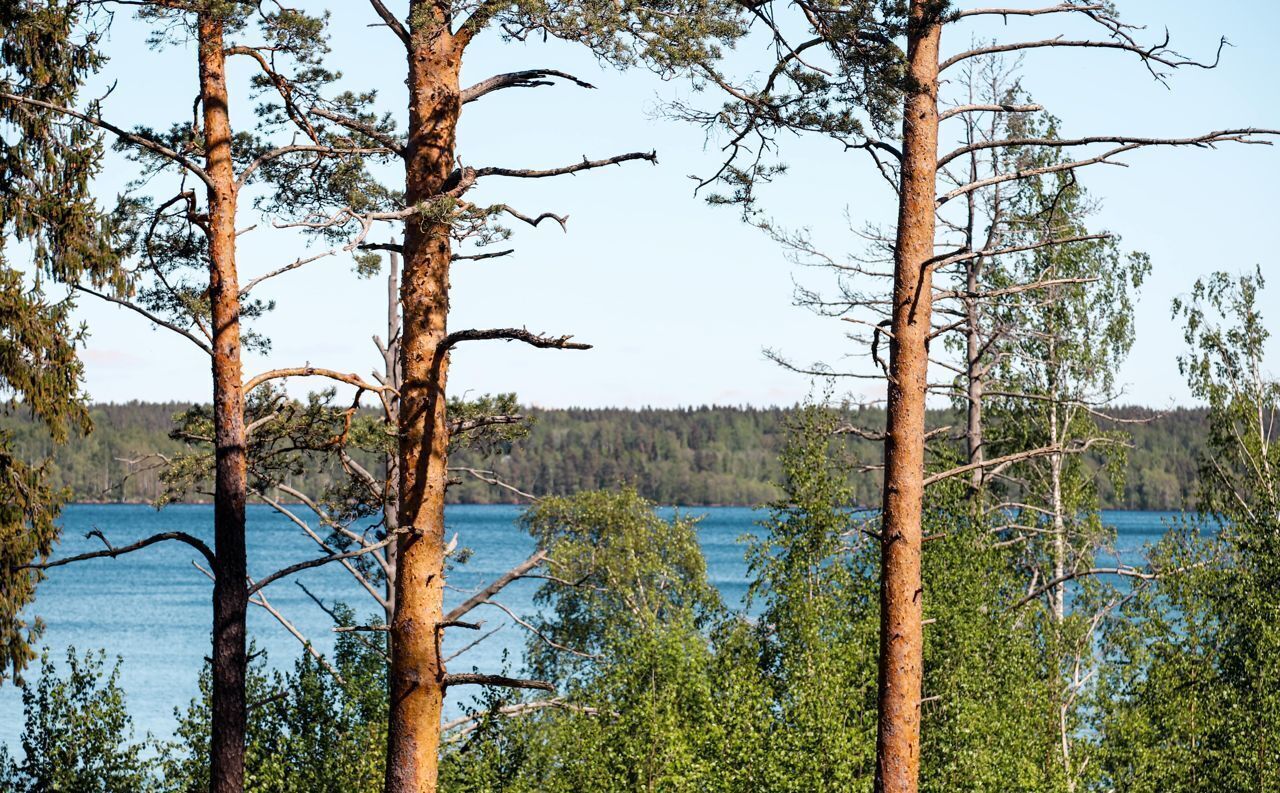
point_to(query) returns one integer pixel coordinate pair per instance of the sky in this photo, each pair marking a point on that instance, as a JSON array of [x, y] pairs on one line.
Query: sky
[[679, 298]]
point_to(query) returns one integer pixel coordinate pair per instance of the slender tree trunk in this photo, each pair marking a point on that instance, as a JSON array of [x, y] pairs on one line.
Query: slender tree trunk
[[1058, 596], [975, 379], [391, 371], [417, 671], [230, 592], [901, 589]]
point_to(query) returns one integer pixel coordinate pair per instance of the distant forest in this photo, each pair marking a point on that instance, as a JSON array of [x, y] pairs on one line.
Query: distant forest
[[690, 456]]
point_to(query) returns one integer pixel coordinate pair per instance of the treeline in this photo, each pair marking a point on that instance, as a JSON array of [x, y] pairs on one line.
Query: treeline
[[698, 456]]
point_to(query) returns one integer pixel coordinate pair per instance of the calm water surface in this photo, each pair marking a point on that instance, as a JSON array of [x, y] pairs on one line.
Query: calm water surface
[[151, 608]]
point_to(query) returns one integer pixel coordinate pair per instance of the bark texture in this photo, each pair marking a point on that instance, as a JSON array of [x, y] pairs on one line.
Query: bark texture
[[901, 589], [417, 671], [230, 589]]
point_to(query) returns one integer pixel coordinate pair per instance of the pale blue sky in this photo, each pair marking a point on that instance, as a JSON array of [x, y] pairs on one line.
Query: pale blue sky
[[678, 297]]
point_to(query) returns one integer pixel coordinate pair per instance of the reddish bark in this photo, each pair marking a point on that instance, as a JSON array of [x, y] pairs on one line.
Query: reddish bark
[[230, 591], [416, 675], [901, 588]]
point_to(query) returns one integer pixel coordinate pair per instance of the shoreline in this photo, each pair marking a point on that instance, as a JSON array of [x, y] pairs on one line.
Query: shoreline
[[139, 503]]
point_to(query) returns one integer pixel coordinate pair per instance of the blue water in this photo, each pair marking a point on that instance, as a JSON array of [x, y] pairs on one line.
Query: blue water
[[151, 607]]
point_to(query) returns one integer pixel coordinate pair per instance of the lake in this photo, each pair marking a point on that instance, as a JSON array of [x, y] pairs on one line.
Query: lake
[[151, 608]]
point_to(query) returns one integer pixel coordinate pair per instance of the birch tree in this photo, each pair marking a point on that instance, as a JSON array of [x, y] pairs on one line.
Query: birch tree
[[855, 73]]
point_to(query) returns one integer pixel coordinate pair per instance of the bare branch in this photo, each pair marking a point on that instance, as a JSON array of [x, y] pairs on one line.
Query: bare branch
[[1127, 572], [391, 21], [127, 137], [474, 257], [473, 643], [244, 291], [563, 220], [1207, 140], [514, 334], [495, 680], [1011, 290], [302, 524], [495, 586], [323, 560], [1009, 459], [585, 165], [528, 78], [1058, 143], [1027, 12], [491, 478], [114, 551], [314, 371], [1031, 246], [1158, 53], [541, 636], [265, 604], [356, 125], [188, 335], [1001, 108], [469, 723]]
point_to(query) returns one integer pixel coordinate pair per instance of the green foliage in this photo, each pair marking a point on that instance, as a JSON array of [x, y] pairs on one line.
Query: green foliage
[[1195, 702], [46, 168], [703, 699], [848, 87], [644, 702], [307, 730], [619, 569], [78, 737], [694, 456]]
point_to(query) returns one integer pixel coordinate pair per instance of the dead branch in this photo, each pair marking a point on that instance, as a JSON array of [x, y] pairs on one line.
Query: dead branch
[[531, 628], [473, 643], [529, 78], [360, 577], [244, 290], [359, 126], [314, 371], [459, 427], [585, 165], [1001, 108], [563, 220], [1127, 572], [265, 604], [501, 681], [475, 257], [127, 137], [470, 723], [1008, 459], [390, 20], [1206, 140], [495, 586], [1060, 143], [323, 560], [490, 478], [1158, 53], [113, 551], [1012, 290], [188, 335], [514, 334], [1026, 12]]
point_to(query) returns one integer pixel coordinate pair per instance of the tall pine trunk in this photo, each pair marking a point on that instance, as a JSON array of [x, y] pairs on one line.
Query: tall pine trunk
[[417, 671], [230, 590], [901, 589]]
